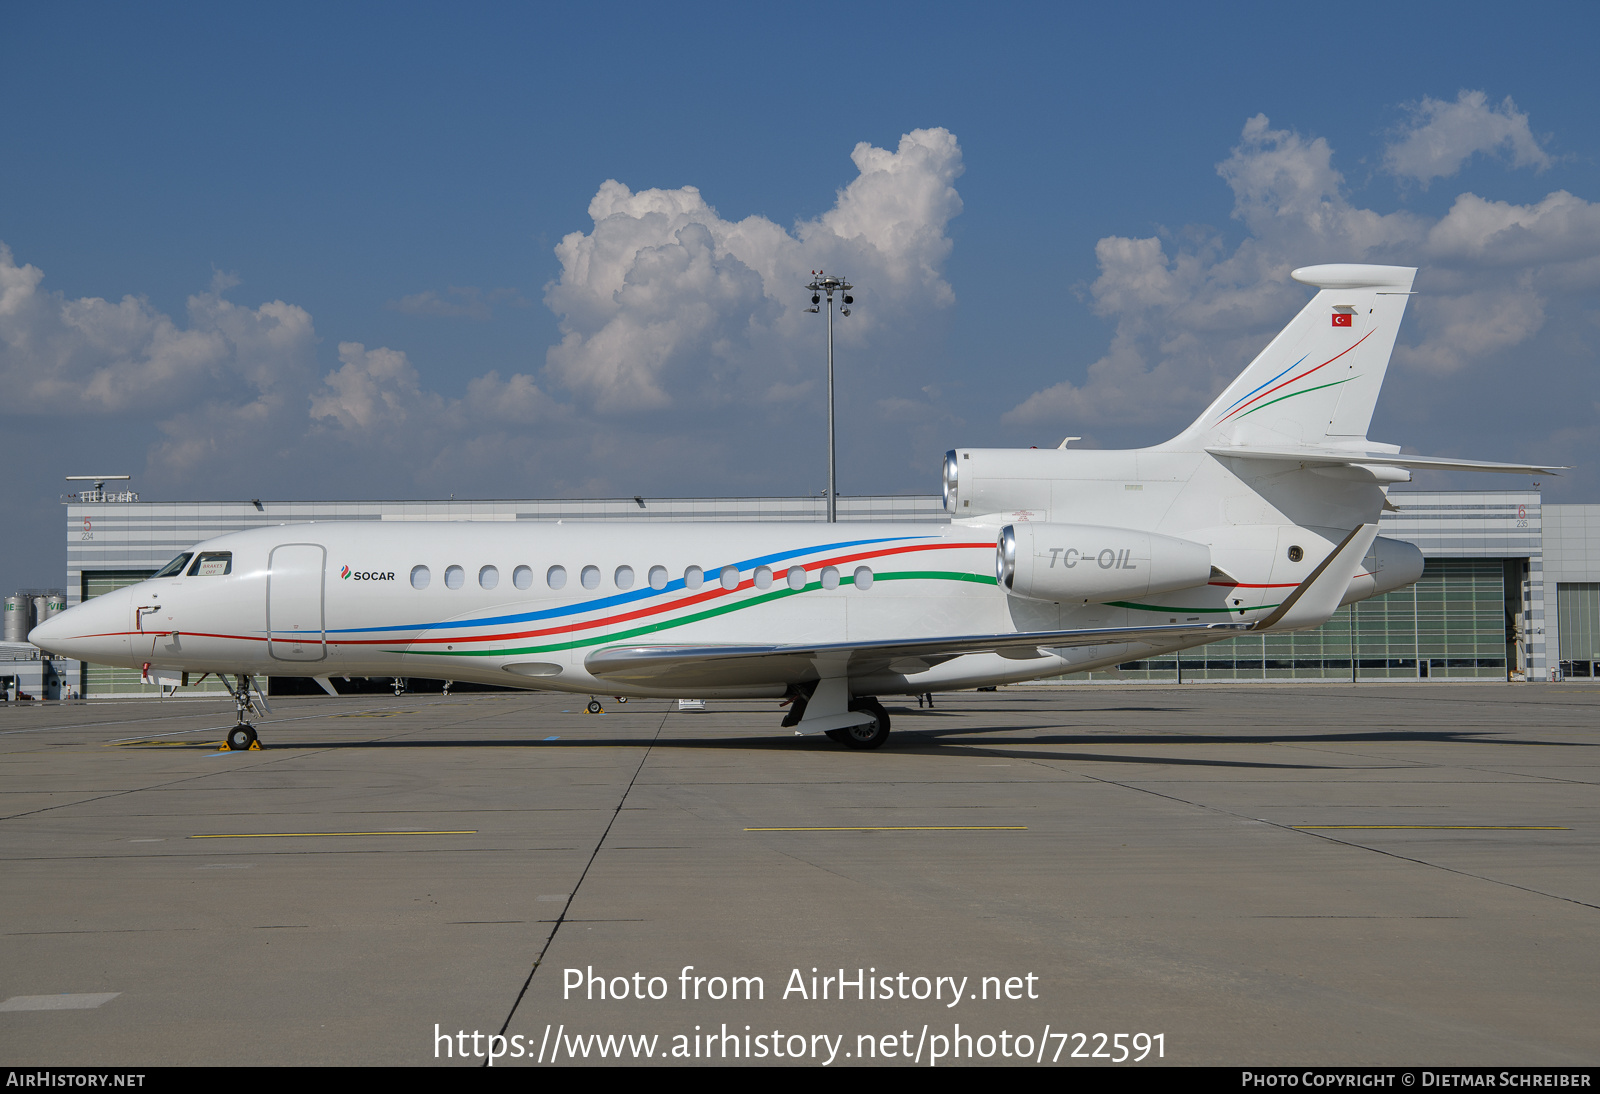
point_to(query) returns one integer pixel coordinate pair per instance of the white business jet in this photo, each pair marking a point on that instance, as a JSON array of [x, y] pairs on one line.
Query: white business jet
[[1261, 516]]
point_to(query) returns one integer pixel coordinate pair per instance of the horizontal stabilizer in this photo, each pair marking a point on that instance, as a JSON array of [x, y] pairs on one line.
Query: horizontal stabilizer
[[753, 666], [1349, 458]]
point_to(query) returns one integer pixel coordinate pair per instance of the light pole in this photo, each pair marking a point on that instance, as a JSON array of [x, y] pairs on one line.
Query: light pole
[[822, 283]]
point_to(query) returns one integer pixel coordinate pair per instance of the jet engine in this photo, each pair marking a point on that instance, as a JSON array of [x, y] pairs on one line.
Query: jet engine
[[1391, 564], [1088, 563]]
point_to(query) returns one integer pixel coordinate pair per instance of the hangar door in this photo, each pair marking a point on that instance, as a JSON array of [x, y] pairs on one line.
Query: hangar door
[[294, 603]]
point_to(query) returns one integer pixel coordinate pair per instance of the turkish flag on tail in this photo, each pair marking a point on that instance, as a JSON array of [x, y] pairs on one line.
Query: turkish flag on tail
[[1343, 319]]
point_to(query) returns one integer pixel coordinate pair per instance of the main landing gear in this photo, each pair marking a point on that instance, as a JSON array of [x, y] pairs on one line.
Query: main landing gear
[[594, 706], [867, 735], [242, 737]]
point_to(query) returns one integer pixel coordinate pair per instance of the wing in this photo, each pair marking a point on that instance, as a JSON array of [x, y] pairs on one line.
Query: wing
[[754, 666]]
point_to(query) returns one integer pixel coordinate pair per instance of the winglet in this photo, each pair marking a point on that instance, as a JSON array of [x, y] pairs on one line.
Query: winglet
[[1315, 599]]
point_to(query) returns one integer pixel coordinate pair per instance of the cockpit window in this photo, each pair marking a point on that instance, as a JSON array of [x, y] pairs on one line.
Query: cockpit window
[[212, 564], [175, 567]]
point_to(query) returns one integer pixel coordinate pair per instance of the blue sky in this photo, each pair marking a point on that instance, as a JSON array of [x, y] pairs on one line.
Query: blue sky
[[312, 251]]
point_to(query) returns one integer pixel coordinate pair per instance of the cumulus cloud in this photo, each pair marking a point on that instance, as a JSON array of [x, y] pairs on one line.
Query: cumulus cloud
[[372, 390], [378, 392], [1561, 234], [96, 356], [1440, 136], [664, 302], [1473, 325], [1189, 315]]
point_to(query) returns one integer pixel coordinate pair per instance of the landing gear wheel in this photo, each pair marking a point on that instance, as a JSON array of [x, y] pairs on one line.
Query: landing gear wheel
[[594, 707], [241, 737], [622, 698], [875, 732]]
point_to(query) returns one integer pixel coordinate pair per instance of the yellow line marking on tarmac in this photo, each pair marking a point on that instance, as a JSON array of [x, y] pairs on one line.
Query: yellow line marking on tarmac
[[1442, 827], [907, 828], [274, 835]]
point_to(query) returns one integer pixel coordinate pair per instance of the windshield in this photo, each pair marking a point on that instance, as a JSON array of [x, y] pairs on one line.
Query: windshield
[[175, 566], [212, 564]]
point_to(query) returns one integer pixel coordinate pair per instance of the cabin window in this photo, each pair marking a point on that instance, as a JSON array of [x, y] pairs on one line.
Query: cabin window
[[830, 577], [797, 577], [420, 577], [454, 577], [623, 577], [863, 577], [693, 577], [658, 577], [730, 578], [212, 564], [556, 577], [488, 577], [590, 577], [763, 577], [522, 577], [175, 567]]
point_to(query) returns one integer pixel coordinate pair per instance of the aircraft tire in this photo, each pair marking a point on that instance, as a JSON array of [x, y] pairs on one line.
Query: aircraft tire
[[875, 732], [595, 707], [241, 737], [840, 735]]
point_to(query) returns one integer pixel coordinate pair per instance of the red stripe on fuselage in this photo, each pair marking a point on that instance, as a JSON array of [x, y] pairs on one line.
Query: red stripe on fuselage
[[655, 609], [568, 628]]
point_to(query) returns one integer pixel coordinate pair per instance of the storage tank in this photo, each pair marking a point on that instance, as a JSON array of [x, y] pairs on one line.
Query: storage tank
[[54, 604], [41, 612], [19, 618]]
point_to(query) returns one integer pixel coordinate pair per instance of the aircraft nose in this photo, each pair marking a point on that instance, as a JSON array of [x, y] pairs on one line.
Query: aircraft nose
[[96, 630]]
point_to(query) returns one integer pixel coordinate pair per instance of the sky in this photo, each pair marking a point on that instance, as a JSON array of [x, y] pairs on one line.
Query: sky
[[536, 251]]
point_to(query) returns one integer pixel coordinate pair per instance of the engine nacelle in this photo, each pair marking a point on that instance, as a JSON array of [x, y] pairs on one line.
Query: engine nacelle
[[1068, 563], [1391, 564]]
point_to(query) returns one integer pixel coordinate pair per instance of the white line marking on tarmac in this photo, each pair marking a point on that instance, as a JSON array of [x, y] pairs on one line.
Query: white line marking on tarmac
[[64, 1001]]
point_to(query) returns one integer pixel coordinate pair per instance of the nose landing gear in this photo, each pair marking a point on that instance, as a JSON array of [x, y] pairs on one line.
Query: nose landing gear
[[242, 737]]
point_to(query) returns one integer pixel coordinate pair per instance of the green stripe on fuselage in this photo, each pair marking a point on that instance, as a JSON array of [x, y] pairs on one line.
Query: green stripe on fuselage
[[709, 613]]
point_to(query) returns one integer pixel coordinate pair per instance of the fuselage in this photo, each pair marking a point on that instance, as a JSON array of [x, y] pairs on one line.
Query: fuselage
[[523, 604]]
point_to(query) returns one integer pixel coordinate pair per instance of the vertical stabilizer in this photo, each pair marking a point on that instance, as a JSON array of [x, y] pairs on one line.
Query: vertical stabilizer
[[1318, 381]]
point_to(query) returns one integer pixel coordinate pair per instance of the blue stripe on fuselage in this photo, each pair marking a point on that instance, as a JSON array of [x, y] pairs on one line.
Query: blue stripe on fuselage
[[621, 598]]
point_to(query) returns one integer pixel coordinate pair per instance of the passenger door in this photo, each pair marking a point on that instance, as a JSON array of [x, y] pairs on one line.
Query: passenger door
[[294, 603]]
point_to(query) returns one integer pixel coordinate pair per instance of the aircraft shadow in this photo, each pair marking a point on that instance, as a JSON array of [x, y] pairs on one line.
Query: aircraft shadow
[[1376, 736], [909, 742]]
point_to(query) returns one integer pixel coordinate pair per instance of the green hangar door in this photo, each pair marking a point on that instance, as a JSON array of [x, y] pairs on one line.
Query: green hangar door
[[294, 603]]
